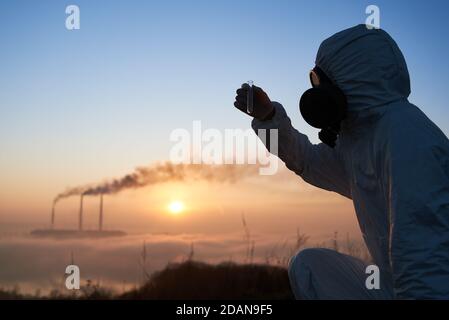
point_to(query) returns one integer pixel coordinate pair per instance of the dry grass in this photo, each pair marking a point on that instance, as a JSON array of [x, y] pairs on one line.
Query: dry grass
[[197, 280]]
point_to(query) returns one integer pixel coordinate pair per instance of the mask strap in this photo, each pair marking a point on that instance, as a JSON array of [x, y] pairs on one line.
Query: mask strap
[[322, 77]]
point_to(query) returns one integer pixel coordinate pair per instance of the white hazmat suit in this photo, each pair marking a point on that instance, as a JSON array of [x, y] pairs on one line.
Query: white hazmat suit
[[391, 160]]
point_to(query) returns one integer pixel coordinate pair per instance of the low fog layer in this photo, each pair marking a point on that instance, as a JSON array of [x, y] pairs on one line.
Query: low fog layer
[[116, 262]]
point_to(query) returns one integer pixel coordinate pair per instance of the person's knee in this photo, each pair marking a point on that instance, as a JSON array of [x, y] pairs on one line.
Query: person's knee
[[307, 258], [302, 267], [299, 270]]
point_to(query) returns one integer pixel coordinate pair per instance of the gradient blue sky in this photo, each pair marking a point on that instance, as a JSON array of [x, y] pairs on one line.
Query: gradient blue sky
[[77, 106]]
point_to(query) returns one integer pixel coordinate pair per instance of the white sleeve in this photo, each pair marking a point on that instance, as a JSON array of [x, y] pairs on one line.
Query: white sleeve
[[317, 164]]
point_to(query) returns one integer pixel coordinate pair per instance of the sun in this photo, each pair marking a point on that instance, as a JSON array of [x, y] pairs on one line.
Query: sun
[[176, 207]]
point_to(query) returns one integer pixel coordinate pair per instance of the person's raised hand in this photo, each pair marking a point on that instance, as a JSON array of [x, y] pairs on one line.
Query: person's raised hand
[[262, 108]]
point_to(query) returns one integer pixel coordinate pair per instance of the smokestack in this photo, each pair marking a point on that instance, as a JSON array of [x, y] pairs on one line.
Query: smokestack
[[80, 225], [100, 219], [53, 217]]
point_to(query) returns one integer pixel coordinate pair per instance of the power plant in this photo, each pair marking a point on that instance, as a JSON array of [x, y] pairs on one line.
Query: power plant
[[80, 232], [139, 178]]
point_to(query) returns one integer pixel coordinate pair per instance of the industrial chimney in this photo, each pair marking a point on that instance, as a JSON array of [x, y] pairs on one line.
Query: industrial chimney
[[80, 225], [100, 219], [53, 217]]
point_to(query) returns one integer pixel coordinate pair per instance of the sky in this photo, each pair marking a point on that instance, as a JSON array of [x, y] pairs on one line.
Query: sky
[[84, 105]]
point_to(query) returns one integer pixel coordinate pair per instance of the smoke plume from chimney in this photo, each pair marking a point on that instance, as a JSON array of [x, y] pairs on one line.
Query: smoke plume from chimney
[[160, 173]]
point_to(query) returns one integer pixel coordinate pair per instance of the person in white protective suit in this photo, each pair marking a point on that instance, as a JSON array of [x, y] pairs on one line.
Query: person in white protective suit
[[379, 150]]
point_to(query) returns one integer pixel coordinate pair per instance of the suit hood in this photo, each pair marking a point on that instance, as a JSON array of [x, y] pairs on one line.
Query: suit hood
[[367, 65]]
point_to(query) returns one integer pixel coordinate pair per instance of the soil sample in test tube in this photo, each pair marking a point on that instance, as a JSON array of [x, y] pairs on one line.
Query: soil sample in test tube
[[250, 98]]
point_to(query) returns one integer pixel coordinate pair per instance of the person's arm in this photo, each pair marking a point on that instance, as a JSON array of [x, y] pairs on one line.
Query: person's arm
[[317, 164], [417, 188]]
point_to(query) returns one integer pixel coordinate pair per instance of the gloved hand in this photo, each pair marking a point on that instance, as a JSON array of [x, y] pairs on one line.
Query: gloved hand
[[262, 108]]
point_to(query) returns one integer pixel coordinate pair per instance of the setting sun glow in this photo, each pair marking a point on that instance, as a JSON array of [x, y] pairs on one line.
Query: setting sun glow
[[176, 207]]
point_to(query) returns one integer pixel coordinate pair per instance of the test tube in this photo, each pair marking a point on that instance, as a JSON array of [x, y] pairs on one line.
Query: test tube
[[250, 98]]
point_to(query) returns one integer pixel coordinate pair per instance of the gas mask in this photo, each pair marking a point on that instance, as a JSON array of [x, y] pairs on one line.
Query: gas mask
[[323, 106]]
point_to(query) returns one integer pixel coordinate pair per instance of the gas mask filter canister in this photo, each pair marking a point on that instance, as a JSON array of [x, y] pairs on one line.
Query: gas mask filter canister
[[323, 106]]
